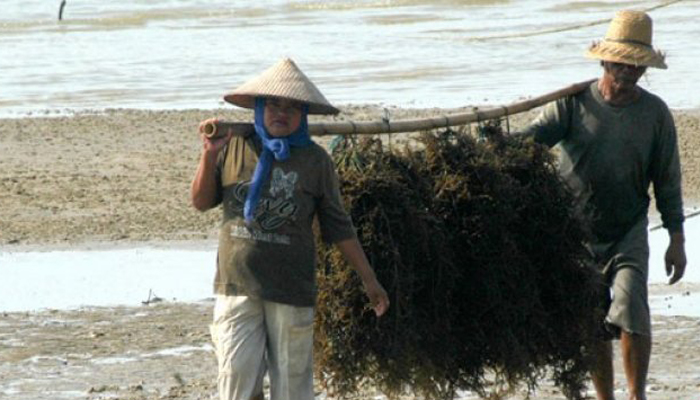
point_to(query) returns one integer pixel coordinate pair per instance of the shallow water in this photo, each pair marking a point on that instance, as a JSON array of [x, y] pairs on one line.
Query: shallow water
[[66, 279], [446, 53], [73, 278]]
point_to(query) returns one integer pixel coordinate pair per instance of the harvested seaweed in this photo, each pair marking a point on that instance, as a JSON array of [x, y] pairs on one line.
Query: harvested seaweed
[[480, 248]]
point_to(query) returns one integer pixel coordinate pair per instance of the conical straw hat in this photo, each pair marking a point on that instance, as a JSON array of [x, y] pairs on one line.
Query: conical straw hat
[[628, 41], [282, 80]]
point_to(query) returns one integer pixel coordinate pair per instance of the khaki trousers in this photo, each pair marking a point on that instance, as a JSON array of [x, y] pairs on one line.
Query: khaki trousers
[[252, 337]]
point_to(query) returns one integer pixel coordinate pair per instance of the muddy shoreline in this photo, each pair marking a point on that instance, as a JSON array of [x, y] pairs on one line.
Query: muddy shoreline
[[124, 175], [163, 351], [121, 178]]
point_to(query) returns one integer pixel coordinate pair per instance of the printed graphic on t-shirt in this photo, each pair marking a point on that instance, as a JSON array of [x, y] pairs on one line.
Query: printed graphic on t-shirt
[[274, 209], [282, 182], [243, 232]]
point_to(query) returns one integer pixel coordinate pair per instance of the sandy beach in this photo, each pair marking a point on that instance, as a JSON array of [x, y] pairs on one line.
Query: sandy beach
[[125, 175], [122, 177]]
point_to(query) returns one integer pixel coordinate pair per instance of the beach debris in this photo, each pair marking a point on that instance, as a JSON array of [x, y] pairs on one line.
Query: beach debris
[[480, 248], [178, 378], [60, 10], [95, 334], [138, 387], [103, 388], [152, 298]]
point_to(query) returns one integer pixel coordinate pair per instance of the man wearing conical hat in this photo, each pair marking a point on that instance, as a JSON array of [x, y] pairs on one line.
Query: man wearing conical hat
[[617, 139], [272, 185]]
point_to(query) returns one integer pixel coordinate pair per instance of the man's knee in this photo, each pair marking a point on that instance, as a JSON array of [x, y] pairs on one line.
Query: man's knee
[[242, 368], [259, 396], [629, 310]]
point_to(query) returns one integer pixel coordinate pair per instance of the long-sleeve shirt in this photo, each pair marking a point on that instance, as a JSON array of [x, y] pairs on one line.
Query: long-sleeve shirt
[[609, 156]]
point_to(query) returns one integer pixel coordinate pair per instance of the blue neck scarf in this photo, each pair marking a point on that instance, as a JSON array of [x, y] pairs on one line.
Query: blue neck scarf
[[271, 147]]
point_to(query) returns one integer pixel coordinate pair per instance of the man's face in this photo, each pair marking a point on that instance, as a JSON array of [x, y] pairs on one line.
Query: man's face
[[623, 75], [282, 117]]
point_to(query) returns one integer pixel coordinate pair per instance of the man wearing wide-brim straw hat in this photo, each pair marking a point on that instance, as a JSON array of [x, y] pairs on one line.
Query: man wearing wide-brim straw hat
[[272, 185], [616, 139], [628, 41]]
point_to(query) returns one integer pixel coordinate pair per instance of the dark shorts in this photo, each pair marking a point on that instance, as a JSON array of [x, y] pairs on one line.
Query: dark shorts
[[625, 266]]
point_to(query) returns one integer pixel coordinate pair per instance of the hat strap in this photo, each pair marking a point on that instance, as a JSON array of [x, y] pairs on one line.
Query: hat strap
[[628, 41]]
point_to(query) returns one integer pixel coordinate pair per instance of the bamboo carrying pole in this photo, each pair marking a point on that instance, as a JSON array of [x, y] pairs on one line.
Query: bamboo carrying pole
[[212, 130]]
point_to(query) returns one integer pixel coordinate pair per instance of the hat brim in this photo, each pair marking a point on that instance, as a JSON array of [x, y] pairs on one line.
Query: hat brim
[[627, 53], [247, 100], [283, 80]]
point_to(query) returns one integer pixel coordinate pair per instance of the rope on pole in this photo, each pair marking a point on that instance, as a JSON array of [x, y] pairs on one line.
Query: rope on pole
[[562, 28], [687, 216]]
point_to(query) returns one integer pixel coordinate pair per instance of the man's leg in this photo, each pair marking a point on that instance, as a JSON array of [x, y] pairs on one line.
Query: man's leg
[[630, 311], [238, 333], [290, 346], [636, 351], [628, 269], [603, 373]]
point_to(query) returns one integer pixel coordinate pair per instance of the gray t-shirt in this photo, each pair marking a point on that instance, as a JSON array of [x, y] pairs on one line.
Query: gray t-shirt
[[610, 155], [275, 258]]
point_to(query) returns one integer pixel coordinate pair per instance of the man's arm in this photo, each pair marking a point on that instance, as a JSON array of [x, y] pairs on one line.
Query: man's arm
[[204, 191], [552, 124], [353, 253], [675, 257], [666, 177]]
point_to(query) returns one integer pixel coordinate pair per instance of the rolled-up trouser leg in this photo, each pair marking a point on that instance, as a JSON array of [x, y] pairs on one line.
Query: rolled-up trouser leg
[[239, 337]]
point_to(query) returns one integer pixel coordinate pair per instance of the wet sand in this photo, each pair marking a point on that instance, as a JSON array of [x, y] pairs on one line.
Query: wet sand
[[122, 177], [162, 351], [125, 175]]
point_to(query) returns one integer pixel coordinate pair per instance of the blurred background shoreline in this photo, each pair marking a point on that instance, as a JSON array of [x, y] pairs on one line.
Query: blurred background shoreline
[[178, 55]]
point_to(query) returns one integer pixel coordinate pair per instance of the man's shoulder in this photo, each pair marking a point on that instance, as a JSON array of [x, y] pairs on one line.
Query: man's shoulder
[[655, 107], [653, 99], [317, 151], [585, 99], [311, 157]]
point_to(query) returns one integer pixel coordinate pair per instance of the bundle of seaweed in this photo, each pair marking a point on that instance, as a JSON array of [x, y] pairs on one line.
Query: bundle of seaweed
[[481, 250]]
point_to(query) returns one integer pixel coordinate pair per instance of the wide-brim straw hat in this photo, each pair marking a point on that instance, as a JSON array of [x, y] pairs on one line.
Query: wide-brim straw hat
[[283, 80], [628, 41]]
